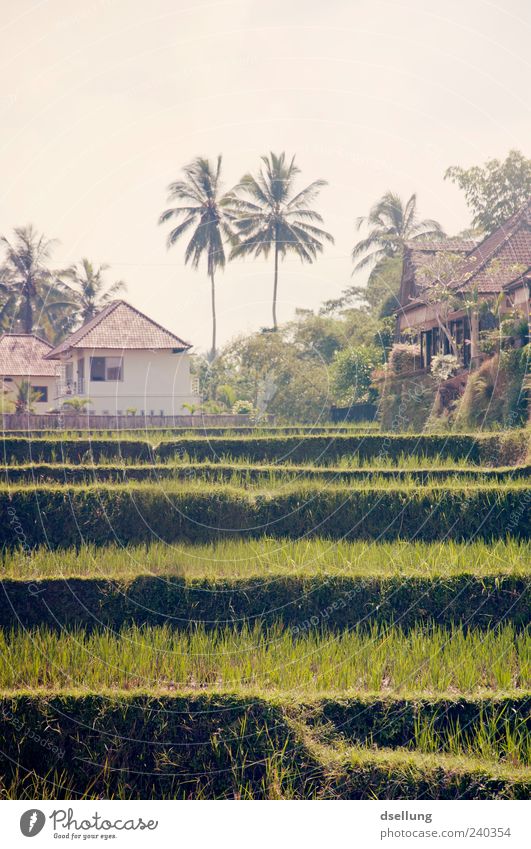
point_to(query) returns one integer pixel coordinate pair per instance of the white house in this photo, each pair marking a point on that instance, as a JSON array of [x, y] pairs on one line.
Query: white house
[[121, 361], [22, 359]]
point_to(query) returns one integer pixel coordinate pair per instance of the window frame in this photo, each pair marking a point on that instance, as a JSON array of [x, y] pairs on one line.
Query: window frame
[[119, 367]]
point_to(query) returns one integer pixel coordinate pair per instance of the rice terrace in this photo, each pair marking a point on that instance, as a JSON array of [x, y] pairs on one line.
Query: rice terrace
[[265, 613]]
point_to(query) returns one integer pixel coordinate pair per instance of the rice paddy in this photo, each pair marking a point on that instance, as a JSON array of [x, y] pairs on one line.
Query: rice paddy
[[144, 656]]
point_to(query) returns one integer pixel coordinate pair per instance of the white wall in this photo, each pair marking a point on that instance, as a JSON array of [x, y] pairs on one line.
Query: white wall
[[11, 388], [152, 380]]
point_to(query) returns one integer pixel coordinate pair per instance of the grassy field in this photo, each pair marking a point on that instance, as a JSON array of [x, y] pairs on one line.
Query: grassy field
[[278, 613], [273, 559], [424, 660]]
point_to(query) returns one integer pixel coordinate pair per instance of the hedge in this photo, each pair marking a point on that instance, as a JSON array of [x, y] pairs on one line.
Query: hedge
[[214, 746], [68, 516], [391, 721], [302, 604], [225, 472], [489, 449], [56, 450]]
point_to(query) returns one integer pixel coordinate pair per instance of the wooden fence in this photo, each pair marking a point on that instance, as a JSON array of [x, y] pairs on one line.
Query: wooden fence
[[88, 421]]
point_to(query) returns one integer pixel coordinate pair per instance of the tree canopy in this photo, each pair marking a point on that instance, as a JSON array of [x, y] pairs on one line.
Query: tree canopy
[[496, 190]]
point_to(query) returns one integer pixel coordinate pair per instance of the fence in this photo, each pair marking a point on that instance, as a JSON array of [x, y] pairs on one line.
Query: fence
[[88, 421], [354, 413]]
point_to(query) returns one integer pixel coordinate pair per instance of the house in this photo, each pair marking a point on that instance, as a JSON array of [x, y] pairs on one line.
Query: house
[[495, 273], [122, 361], [23, 359]]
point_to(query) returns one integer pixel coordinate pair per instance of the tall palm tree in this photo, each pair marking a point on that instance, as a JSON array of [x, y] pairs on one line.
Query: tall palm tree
[[27, 283], [268, 215], [204, 210], [392, 223], [91, 292]]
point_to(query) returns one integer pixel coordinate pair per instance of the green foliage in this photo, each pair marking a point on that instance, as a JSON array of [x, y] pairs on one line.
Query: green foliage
[[202, 512], [406, 402], [242, 407], [203, 211], [496, 190], [28, 287], [90, 292], [496, 392], [444, 366], [77, 405], [269, 215], [295, 597], [26, 397], [324, 448], [352, 374], [141, 746], [391, 223]]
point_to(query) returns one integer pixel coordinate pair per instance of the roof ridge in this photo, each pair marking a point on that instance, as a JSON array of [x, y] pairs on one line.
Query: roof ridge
[[7, 335], [75, 339], [512, 225]]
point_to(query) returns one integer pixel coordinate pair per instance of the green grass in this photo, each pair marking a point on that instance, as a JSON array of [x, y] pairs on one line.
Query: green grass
[[159, 659], [271, 558], [259, 475], [131, 745]]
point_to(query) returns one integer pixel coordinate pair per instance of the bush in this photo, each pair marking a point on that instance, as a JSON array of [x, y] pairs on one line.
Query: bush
[[404, 359], [495, 393], [209, 746], [68, 516], [444, 366], [352, 374], [300, 603]]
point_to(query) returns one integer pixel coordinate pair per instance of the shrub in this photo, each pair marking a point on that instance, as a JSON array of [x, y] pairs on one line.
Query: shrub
[[67, 516], [444, 366], [404, 359]]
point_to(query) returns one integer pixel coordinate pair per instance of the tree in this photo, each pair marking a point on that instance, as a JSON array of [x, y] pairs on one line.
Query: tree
[[204, 209], [270, 216], [77, 405], [91, 293], [27, 396], [439, 279], [392, 223], [352, 373], [27, 283], [495, 191]]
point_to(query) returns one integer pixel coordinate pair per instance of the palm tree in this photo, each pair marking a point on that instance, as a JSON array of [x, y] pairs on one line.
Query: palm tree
[[27, 283], [27, 396], [91, 293], [271, 217], [77, 405], [204, 210], [392, 223]]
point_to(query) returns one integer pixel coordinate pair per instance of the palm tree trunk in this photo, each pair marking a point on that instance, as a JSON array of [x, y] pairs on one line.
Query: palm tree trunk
[[28, 314], [213, 300], [275, 284]]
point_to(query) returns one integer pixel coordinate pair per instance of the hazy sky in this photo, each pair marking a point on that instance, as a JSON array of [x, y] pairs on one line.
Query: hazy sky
[[102, 103]]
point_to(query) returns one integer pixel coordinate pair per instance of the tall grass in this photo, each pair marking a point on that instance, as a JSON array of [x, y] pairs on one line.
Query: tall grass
[[430, 659], [268, 557], [494, 736]]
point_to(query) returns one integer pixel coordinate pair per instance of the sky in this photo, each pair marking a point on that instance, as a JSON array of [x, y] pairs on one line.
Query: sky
[[103, 101]]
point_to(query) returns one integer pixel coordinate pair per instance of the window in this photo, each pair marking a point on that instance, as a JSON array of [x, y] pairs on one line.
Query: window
[[43, 394], [106, 368]]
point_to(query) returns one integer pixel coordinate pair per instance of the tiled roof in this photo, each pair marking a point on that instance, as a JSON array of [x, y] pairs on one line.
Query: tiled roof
[[418, 254], [120, 326], [488, 267], [500, 258], [22, 355]]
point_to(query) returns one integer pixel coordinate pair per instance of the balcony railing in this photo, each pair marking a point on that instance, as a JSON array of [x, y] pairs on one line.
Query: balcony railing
[[71, 387]]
